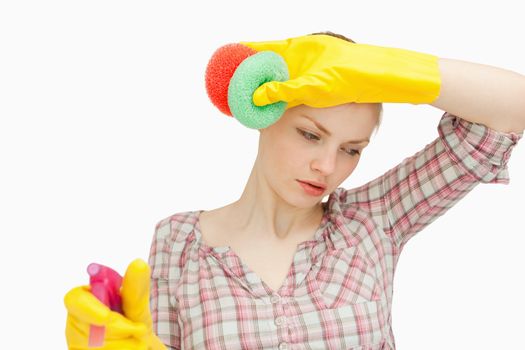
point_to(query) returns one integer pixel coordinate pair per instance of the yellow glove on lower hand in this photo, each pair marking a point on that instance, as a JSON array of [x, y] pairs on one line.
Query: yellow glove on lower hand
[[135, 300], [326, 71], [131, 331]]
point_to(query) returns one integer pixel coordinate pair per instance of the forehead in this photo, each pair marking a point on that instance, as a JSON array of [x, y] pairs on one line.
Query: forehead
[[355, 120]]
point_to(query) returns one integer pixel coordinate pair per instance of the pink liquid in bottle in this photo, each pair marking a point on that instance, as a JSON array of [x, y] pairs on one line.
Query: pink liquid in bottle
[[105, 285]]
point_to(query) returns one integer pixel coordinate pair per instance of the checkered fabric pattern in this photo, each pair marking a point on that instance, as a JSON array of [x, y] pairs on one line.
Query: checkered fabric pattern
[[338, 292]]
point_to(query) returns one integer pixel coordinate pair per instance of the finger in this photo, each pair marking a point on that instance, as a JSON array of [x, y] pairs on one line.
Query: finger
[[118, 326], [135, 292], [275, 91], [85, 306], [78, 333], [265, 94]]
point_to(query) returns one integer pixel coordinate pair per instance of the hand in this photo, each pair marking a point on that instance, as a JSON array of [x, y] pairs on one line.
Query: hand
[[327, 71], [131, 331]]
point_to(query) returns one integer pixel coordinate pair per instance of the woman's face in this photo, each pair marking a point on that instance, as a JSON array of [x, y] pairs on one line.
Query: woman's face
[[295, 148]]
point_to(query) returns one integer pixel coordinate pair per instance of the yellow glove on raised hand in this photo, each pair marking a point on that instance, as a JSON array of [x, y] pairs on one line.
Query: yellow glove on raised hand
[[326, 71], [131, 331]]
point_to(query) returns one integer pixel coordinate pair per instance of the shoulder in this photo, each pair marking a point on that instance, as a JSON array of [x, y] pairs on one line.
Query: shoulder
[[170, 241], [176, 227]]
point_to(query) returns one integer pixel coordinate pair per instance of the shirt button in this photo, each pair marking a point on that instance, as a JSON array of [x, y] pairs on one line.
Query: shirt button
[[283, 346], [280, 320], [275, 298]]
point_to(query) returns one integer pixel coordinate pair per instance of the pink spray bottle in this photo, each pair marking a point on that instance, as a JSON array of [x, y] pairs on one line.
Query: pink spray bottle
[[105, 285]]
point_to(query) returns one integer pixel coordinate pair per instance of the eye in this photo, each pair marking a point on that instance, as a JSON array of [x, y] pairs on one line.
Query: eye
[[353, 152], [312, 137], [307, 135]]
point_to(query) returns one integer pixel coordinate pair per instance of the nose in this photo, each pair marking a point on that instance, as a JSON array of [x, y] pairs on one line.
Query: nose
[[325, 162]]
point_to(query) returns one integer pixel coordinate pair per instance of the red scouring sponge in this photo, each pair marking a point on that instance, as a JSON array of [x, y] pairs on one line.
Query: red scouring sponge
[[219, 72]]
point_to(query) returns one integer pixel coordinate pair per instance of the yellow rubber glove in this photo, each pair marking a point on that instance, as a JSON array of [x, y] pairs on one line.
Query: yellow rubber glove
[[131, 331], [326, 71]]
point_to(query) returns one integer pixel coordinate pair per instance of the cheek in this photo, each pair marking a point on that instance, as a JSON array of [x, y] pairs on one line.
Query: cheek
[[289, 156], [347, 170]]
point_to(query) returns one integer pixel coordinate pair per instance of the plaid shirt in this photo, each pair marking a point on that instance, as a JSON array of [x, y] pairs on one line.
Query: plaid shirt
[[338, 293]]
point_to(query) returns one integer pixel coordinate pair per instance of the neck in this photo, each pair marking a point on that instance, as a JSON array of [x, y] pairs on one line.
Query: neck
[[261, 212]]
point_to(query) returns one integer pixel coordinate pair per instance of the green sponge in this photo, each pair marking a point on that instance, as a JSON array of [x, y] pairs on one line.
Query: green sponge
[[254, 71]]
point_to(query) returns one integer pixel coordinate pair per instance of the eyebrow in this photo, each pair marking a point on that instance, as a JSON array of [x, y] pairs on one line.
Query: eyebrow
[[323, 129]]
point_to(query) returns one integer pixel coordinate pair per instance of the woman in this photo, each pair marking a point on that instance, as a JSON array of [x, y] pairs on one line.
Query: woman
[[279, 268], [278, 209]]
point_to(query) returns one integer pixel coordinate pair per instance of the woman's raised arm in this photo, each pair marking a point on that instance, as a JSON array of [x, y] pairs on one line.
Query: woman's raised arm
[[483, 94]]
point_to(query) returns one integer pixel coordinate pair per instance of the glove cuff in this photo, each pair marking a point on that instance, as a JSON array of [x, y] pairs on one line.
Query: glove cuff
[[408, 76]]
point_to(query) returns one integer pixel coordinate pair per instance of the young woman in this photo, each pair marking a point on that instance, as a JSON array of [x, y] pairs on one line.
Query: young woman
[[281, 269]]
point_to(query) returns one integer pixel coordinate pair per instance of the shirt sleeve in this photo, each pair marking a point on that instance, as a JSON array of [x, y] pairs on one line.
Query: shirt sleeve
[[163, 308], [424, 186]]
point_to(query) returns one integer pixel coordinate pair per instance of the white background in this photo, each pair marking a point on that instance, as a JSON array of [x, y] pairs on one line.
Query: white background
[[106, 129]]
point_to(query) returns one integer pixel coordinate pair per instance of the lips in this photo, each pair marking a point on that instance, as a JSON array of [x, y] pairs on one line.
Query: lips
[[315, 184]]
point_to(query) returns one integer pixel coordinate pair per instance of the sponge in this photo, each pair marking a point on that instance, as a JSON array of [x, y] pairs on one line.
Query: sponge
[[233, 74], [219, 71]]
